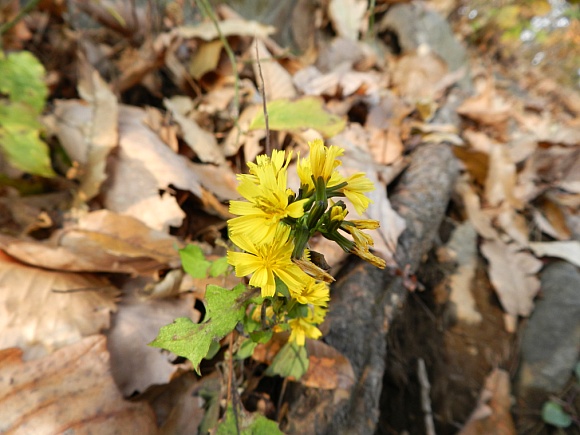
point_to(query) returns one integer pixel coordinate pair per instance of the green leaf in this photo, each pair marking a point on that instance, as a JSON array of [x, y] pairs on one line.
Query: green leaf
[[306, 112], [246, 349], [193, 340], [261, 336], [20, 139], [577, 371], [23, 80], [552, 413], [218, 267], [290, 362], [214, 348], [193, 261], [281, 287], [245, 423]]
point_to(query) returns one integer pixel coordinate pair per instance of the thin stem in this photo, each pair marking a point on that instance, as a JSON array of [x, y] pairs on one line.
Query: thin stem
[[265, 108], [25, 10]]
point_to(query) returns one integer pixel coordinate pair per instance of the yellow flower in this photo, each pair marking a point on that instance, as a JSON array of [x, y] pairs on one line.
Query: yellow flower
[[305, 173], [302, 329], [267, 260], [324, 160], [355, 190], [314, 293], [362, 244], [338, 213], [268, 200], [320, 163], [366, 224]]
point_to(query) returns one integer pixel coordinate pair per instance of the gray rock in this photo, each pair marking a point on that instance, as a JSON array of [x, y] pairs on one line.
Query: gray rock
[[551, 340]]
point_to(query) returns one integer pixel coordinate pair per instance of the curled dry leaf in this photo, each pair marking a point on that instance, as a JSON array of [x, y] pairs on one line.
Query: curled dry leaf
[[242, 135], [501, 178], [512, 273], [202, 142], [69, 391], [143, 167], [88, 130], [342, 81], [568, 250], [41, 310], [551, 220], [348, 17], [416, 76], [480, 221], [101, 241], [486, 107], [208, 31]]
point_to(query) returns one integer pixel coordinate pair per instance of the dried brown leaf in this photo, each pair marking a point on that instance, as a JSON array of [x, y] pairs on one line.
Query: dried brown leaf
[[328, 369], [493, 412], [205, 59], [208, 31], [416, 76], [551, 220], [348, 17], [143, 166], [501, 178], [41, 310], [68, 391], [486, 107], [101, 241], [569, 250], [480, 220], [243, 136], [134, 365], [88, 130], [202, 142], [278, 82], [512, 273]]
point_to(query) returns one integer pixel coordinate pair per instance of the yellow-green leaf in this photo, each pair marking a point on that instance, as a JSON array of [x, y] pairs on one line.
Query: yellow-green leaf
[[22, 79], [20, 139], [306, 112]]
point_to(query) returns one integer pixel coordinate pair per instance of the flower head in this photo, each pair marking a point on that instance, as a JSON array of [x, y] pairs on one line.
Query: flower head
[[314, 293], [357, 185], [362, 244], [265, 261], [301, 329], [269, 200], [304, 327], [320, 163]]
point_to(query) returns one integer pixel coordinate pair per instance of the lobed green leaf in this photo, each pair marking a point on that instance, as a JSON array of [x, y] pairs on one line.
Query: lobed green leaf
[[194, 340]]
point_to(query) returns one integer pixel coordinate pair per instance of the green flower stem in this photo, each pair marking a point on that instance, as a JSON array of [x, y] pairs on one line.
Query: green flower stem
[[342, 241], [301, 237]]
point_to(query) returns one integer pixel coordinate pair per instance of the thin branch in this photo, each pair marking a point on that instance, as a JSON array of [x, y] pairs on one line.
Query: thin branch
[[263, 93], [25, 10]]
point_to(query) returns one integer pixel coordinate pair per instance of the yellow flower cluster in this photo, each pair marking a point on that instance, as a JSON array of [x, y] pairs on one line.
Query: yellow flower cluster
[[274, 225]]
